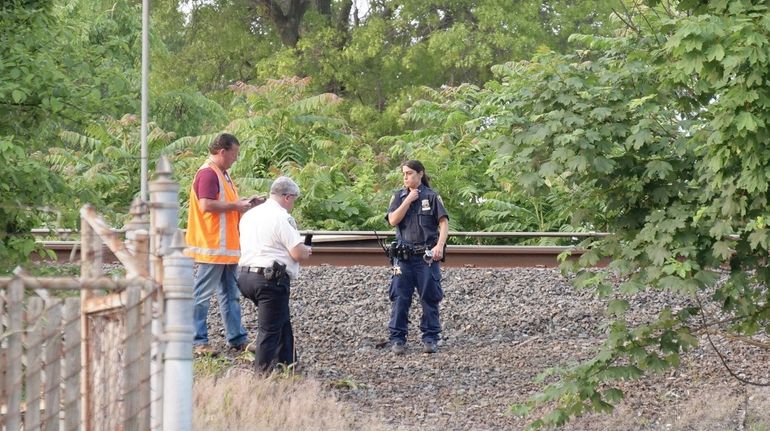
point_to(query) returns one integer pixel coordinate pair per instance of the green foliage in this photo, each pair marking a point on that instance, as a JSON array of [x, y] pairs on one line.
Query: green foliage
[[103, 165], [58, 270], [285, 130], [215, 46], [28, 188], [372, 59], [187, 113], [452, 131], [55, 70], [664, 134], [446, 43]]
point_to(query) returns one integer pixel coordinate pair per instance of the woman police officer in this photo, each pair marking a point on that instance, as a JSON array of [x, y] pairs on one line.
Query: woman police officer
[[422, 227]]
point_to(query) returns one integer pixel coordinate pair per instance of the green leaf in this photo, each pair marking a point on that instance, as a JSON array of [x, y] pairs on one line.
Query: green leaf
[[655, 363], [603, 165], [613, 395], [631, 287], [18, 96], [720, 229], [657, 253], [686, 339], [746, 121], [759, 237], [520, 410], [617, 307], [638, 139], [715, 52], [659, 168], [589, 258], [636, 103], [601, 113], [721, 250]]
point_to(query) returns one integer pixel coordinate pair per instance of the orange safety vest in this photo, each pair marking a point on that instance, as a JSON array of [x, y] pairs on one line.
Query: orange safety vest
[[213, 237]]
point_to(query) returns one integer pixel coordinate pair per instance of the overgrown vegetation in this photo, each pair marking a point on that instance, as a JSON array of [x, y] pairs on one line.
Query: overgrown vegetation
[[69, 102], [240, 400]]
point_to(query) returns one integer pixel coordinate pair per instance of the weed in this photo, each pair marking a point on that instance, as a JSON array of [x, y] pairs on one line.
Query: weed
[[210, 366], [239, 399], [48, 269], [347, 384]]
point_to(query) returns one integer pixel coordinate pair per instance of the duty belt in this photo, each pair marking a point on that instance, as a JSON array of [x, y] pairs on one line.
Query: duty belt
[[404, 251], [257, 269]]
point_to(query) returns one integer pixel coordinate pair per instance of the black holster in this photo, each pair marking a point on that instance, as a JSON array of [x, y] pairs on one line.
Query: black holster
[[399, 251], [276, 271]]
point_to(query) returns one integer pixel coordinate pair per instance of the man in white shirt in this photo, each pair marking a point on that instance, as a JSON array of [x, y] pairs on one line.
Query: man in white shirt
[[271, 249]]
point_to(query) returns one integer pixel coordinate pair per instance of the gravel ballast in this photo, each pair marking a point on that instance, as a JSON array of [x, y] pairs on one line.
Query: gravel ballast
[[501, 328]]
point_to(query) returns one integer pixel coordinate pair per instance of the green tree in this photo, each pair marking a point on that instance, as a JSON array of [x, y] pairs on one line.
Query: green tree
[[102, 164], [187, 113], [30, 194], [64, 64], [372, 58], [663, 131], [399, 45], [215, 46]]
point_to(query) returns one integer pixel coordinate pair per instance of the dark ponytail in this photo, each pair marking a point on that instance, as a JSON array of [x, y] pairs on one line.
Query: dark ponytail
[[417, 166]]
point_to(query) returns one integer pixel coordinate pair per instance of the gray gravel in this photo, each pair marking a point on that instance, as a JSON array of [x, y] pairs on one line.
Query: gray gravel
[[502, 328]]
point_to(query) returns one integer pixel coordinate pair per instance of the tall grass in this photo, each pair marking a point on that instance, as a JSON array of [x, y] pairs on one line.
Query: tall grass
[[239, 400]]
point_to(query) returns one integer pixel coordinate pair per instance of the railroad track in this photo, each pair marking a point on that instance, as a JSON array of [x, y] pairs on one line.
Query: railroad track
[[350, 248]]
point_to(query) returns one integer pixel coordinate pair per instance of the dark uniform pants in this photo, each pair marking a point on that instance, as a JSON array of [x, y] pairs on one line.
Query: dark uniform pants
[[275, 338], [415, 272]]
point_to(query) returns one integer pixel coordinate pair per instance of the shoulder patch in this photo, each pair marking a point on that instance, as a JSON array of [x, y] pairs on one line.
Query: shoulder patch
[[392, 198], [441, 201], [293, 223]]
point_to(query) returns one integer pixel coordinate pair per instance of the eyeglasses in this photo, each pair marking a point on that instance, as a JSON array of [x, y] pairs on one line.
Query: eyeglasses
[[291, 194]]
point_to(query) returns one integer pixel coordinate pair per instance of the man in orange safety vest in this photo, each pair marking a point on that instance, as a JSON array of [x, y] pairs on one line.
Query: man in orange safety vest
[[213, 242]]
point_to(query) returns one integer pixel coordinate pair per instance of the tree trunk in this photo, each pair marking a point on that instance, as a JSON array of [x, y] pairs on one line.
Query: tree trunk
[[286, 16], [344, 17], [324, 7]]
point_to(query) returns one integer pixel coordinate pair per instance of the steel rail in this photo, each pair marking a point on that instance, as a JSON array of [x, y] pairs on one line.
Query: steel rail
[[348, 248], [386, 233], [391, 233]]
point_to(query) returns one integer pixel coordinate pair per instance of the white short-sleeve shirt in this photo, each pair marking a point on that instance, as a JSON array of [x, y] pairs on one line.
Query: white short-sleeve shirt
[[267, 233]]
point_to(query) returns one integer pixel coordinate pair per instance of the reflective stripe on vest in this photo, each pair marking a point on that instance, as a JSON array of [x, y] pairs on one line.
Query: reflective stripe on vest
[[214, 252]]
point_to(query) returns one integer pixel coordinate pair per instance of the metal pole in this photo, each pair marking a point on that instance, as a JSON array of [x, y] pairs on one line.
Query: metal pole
[[164, 218], [177, 373], [145, 96]]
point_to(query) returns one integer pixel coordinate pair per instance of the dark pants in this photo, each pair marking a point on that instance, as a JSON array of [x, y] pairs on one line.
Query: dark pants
[[275, 338], [415, 273]]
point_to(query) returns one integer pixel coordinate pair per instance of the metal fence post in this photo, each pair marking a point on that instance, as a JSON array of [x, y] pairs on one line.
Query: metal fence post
[[178, 376], [164, 215], [164, 219]]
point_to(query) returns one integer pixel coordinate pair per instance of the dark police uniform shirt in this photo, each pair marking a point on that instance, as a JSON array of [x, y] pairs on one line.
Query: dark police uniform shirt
[[420, 223]]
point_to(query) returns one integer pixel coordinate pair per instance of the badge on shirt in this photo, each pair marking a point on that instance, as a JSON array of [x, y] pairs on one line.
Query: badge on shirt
[[293, 222], [426, 205]]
